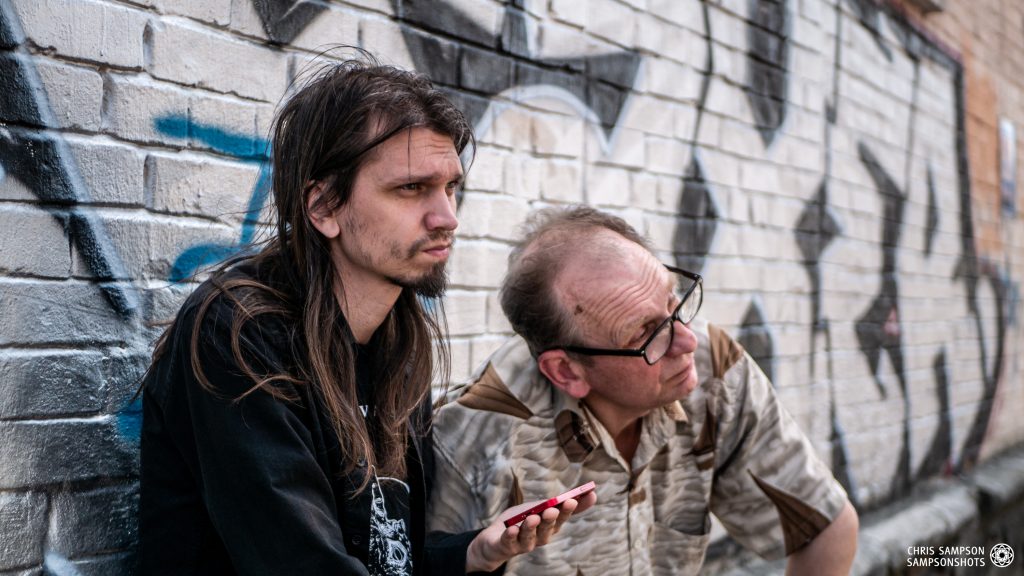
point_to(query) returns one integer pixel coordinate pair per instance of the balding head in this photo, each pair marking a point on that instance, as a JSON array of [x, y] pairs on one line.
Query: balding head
[[558, 243]]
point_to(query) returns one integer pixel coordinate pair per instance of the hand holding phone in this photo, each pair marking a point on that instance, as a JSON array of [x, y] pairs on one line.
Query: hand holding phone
[[503, 539], [550, 502]]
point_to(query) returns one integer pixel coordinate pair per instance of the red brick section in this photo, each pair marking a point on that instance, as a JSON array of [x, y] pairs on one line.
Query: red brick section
[[989, 35]]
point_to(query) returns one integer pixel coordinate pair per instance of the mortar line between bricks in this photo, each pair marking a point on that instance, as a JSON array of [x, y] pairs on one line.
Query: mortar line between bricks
[[140, 213], [84, 485], [79, 346], [46, 53], [62, 419], [151, 11], [22, 353], [187, 89], [90, 416]]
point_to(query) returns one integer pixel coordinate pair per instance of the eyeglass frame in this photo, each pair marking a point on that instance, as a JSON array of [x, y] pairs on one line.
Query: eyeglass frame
[[642, 350]]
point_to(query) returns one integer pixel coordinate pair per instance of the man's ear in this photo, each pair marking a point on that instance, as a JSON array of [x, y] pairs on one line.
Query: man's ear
[[564, 373], [323, 220]]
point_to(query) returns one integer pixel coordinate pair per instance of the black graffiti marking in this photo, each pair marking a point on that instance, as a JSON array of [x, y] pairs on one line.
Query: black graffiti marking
[[931, 228], [283, 20], [696, 216], [767, 65], [41, 161], [839, 459], [988, 271], [821, 326], [757, 340], [879, 329], [602, 81], [869, 14], [969, 269], [696, 221], [815, 231], [938, 459]]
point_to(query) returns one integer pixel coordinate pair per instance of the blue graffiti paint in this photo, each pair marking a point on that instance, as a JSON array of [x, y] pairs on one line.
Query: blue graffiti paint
[[243, 147], [238, 145], [58, 565], [129, 419]]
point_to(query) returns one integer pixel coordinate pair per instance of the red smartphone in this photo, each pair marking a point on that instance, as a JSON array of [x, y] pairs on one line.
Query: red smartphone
[[574, 493]]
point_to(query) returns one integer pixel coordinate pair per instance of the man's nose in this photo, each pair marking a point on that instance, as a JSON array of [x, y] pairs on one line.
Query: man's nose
[[684, 341], [441, 211]]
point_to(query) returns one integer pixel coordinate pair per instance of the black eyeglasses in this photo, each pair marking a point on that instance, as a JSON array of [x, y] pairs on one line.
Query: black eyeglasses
[[690, 291]]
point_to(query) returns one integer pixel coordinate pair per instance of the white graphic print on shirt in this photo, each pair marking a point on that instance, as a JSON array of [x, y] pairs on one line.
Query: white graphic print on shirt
[[390, 552]]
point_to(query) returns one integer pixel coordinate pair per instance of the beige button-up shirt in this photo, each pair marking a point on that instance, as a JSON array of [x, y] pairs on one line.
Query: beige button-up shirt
[[729, 448]]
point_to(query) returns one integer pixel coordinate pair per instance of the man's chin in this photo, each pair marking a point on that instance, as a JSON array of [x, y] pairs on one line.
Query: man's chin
[[686, 381], [430, 285]]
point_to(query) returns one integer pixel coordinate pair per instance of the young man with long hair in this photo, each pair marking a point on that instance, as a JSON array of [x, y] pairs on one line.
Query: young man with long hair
[[286, 419]]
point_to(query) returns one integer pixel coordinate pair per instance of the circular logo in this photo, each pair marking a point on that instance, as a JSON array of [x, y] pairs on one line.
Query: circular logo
[[1001, 555]]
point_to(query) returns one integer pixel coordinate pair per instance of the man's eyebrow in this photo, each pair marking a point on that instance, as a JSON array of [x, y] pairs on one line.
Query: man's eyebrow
[[424, 177]]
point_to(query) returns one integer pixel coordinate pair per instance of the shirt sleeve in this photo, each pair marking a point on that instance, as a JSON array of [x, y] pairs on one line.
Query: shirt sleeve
[[255, 461], [455, 509], [771, 491], [454, 504]]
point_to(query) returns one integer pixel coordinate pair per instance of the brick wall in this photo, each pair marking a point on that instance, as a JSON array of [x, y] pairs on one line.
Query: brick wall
[[830, 166]]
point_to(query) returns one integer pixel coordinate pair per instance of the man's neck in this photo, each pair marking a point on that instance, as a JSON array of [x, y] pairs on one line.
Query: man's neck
[[365, 303], [628, 439], [625, 429]]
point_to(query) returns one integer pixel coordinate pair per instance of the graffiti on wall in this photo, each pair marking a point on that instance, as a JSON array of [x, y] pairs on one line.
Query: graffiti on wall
[[41, 161], [488, 71]]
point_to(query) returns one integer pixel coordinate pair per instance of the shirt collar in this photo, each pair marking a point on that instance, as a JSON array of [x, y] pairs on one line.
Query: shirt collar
[[580, 432]]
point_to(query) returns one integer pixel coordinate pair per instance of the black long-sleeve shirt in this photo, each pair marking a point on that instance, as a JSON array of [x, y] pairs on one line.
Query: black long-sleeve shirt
[[256, 485]]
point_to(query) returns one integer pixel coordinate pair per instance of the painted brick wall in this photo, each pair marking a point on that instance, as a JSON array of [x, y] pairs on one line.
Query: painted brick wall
[[830, 167]]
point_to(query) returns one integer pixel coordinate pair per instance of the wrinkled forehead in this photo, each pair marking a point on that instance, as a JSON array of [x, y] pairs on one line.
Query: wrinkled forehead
[[607, 270]]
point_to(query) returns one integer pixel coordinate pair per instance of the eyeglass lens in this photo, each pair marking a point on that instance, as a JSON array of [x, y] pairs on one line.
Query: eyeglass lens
[[662, 341]]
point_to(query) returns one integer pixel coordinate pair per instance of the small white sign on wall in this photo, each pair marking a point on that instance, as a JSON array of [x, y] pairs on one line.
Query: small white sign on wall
[[1008, 166]]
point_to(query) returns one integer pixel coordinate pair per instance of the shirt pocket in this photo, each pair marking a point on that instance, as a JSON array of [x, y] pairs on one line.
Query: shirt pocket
[[677, 553]]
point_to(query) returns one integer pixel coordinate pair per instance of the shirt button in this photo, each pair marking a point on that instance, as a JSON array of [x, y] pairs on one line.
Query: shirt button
[[637, 544], [356, 540]]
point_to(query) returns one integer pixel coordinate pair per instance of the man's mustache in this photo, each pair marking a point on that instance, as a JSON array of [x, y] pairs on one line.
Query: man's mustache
[[443, 236]]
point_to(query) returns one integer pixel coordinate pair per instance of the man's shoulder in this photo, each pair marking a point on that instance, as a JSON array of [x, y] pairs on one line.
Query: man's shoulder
[[246, 293], [724, 370], [508, 382], [207, 321], [506, 390], [717, 351]]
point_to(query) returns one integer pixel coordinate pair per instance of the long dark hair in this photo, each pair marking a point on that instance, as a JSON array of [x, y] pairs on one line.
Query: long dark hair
[[323, 134]]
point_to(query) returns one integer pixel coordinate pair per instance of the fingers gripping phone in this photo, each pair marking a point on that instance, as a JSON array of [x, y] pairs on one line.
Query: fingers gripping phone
[[550, 502]]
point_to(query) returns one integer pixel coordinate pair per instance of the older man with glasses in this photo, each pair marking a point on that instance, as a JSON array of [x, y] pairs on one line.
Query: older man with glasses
[[613, 379]]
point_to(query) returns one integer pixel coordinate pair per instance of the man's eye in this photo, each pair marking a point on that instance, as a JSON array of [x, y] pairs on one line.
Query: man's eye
[[411, 187], [640, 338]]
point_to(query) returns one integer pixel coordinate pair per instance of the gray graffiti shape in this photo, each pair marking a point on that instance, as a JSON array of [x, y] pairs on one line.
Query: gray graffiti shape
[[931, 228], [869, 13], [601, 81], [879, 329], [815, 231], [938, 458], [283, 20], [757, 340], [970, 269], [42, 161], [697, 215], [767, 65]]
